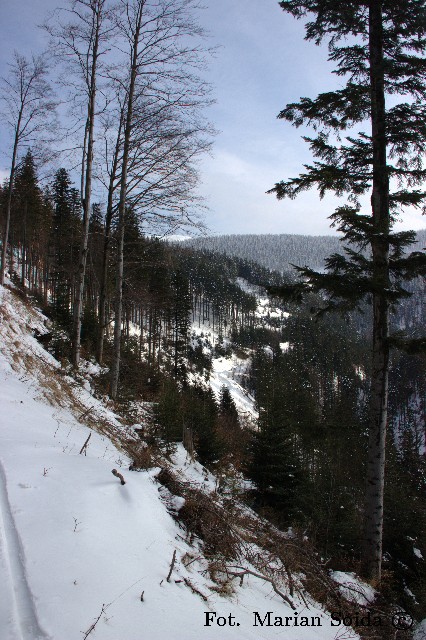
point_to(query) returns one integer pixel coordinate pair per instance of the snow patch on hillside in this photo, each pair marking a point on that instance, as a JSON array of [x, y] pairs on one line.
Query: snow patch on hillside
[[223, 374], [230, 370], [227, 370], [265, 310], [353, 589]]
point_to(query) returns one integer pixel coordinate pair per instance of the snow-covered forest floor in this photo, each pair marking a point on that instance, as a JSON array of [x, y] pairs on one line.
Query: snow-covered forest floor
[[82, 555]]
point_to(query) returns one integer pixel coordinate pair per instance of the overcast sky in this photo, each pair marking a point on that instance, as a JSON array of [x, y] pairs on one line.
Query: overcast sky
[[262, 64]]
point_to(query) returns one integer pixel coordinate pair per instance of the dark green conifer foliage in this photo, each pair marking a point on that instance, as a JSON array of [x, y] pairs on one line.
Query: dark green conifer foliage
[[180, 310], [90, 322], [169, 414], [94, 267], [378, 49], [31, 216], [276, 462], [200, 415], [65, 239], [405, 526], [276, 467], [227, 406]]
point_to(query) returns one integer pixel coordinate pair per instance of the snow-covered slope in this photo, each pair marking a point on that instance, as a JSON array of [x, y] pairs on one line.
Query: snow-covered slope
[[230, 370], [77, 548], [226, 370]]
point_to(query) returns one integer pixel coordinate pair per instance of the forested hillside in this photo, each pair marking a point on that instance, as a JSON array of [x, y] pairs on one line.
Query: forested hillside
[[280, 251], [250, 385], [189, 315]]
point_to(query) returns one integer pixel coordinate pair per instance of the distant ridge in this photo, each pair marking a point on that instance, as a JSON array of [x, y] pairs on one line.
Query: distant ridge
[[280, 251]]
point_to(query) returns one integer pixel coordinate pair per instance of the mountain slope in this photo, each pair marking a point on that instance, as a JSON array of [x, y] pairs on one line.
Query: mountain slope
[[77, 548], [279, 251]]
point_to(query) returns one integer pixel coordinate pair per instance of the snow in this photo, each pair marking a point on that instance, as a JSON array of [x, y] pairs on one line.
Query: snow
[[223, 369], [247, 287], [264, 308], [420, 631], [78, 549], [191, 470], [229, 370], [410, 594], [353, 589], [226, 370], [177, 238]]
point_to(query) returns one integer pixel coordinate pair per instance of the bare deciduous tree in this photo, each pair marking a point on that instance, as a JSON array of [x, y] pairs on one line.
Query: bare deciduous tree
[[81, 41], [163, 131]]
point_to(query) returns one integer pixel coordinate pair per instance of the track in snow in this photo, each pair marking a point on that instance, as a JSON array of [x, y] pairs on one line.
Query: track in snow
[[17, 606]]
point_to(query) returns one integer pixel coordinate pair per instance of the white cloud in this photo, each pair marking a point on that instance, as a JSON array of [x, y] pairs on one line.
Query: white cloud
[[235, 188], [263, 64]]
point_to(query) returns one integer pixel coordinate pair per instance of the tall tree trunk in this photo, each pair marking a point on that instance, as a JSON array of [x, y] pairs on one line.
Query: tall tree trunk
[[89, 131], [107, 244], [373, 516], [24, 245], [115, 370]]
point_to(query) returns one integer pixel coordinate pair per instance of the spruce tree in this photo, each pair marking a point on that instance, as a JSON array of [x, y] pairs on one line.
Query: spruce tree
[[169, 415], [378, 48], [276, 467], [179, 310], [64, 245], [30, 217], [227, 406], [200, 416]]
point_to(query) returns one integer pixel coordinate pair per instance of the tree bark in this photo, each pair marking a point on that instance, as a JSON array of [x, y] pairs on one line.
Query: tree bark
[[106, 252], [89, 131], [115, 370], [373, 516]]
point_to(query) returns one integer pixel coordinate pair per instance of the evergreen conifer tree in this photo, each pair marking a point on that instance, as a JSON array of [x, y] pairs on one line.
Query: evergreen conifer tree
[[180, 310], [227, 406], [169, 414], [378, 47], [30, 216], [64, 244], [200, 417], [276, 467]]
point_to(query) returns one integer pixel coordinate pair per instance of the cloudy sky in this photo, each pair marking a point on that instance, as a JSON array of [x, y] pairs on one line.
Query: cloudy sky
[[263, 63]]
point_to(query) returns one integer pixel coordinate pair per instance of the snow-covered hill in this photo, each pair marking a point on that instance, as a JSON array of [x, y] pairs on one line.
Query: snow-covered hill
[[280, 252], [82, 555]]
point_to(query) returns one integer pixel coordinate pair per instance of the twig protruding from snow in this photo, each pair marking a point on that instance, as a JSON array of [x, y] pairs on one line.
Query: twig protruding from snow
[[118, 475], [172, 564], [194, 589], [240, 572], [93, 625], [85, 413], [84, 447]]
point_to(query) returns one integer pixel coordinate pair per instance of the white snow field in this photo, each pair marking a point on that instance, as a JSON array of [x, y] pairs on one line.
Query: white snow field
[[78, 549]]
